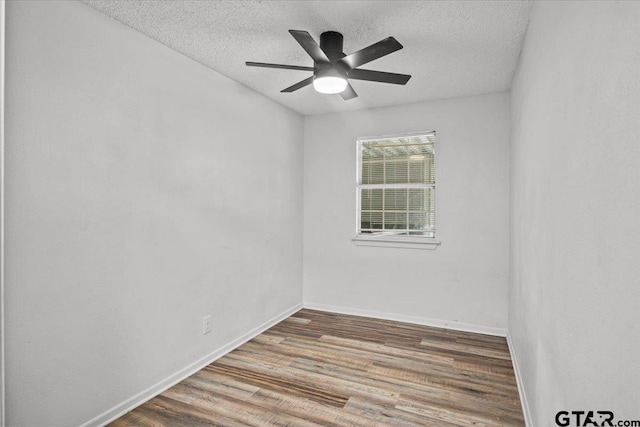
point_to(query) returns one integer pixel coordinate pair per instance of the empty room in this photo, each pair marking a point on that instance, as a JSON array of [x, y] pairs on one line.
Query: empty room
[[320, 213]]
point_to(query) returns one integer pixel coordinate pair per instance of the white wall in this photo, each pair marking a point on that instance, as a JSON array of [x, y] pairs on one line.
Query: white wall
[[574, 299], [465, 280], [144, 191]]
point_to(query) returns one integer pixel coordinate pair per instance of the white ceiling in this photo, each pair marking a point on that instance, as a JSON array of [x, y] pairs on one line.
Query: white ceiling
[[451, 48]]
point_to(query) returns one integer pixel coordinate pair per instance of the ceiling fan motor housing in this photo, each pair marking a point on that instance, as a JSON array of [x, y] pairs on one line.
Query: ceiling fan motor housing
[[331, 43]]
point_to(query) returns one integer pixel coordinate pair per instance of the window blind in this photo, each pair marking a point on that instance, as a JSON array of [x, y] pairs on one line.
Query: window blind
[[396, 185]]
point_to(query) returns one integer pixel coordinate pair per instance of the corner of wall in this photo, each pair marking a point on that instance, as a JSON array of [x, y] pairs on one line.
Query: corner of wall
[[521, 391]]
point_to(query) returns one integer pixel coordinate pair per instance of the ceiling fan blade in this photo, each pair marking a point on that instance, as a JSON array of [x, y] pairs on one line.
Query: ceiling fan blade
[[299, 85], [370, 53], [379, 76], [348, 93], [310, 46], [284, 67]]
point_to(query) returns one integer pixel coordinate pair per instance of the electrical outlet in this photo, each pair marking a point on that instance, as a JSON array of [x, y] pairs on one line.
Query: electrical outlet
[[206, 325]]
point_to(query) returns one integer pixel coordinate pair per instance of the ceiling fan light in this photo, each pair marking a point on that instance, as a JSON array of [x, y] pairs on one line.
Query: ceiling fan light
[[329, 85], [329, 81]]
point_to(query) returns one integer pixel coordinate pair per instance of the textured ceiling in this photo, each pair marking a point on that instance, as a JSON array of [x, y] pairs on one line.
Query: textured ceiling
[[451, 48]]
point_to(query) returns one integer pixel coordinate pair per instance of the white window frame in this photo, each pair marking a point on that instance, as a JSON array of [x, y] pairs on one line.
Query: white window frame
[[388, 239]]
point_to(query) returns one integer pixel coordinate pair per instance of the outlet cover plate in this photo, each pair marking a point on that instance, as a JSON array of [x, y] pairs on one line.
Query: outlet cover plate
[[206, 325]]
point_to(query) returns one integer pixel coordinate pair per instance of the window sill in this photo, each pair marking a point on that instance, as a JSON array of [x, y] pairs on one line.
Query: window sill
[[406, 242]]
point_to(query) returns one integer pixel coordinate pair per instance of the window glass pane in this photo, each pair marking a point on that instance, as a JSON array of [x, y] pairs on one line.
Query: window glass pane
[[371, 199], [402, 160], [396, 171], [365, 200], [365, 220], [373, 172], [418, 220], [418, 199], [395, 199], [423, 219], [376, 220], [395, 220], [397, 209]]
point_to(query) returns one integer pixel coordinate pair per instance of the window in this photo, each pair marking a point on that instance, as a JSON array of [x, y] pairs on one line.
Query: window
[[396, 187]]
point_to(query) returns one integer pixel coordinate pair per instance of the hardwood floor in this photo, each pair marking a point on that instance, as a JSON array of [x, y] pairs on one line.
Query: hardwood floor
[[325, 369]]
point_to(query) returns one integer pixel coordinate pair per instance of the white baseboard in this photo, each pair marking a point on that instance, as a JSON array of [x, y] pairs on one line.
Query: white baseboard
[[137, 400], [523, 396], [436, 323]]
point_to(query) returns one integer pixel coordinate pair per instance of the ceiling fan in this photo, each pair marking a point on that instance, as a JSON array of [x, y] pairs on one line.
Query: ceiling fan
[[332, 69]]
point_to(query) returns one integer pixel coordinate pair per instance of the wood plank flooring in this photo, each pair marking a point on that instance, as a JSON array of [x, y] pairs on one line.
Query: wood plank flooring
[[325, 369]]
